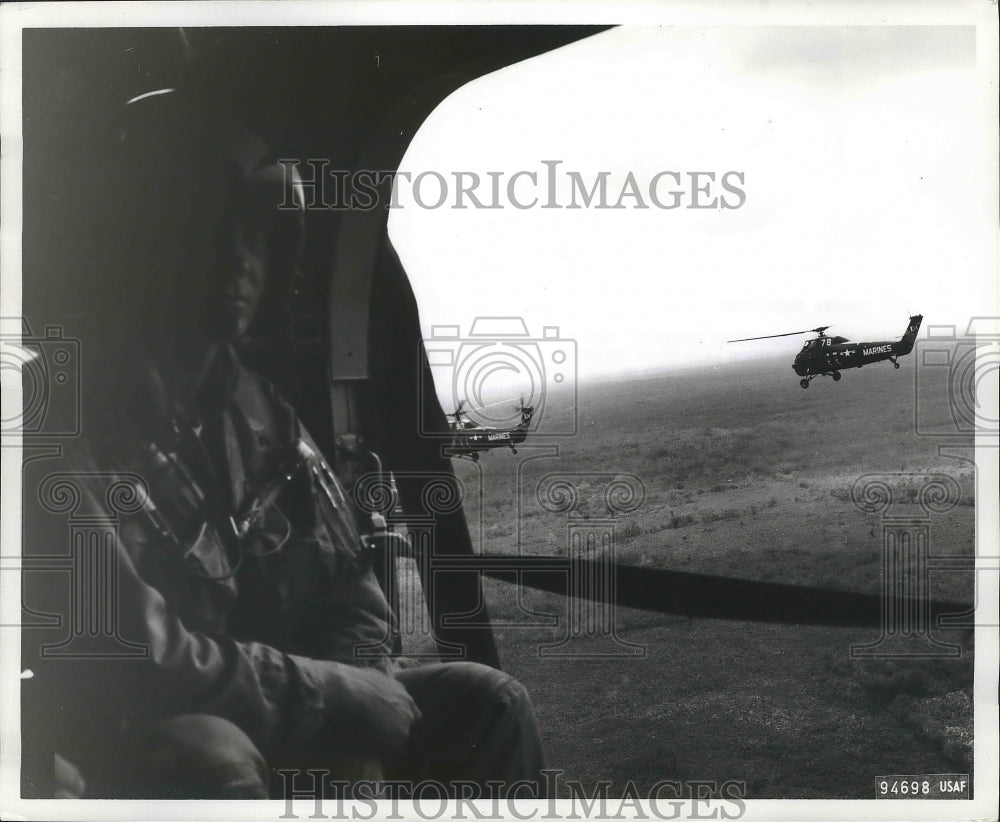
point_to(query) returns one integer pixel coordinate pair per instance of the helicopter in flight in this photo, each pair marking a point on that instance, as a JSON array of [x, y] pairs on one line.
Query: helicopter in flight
[[828, 356], [469, 439]]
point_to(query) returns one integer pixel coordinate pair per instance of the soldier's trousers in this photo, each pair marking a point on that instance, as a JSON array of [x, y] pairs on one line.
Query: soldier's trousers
[[477, 725]]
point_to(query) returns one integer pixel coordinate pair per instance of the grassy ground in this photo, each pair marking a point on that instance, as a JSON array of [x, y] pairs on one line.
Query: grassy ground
[[743, 474]]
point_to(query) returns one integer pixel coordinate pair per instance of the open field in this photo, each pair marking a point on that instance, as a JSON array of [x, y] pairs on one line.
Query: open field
[[744, 474]]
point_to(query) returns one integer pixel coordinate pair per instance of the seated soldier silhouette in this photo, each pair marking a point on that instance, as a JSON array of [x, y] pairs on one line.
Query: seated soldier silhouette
[[242, 572]]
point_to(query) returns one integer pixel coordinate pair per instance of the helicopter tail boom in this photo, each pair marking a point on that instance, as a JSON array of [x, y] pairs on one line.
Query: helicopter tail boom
[[905, 345]]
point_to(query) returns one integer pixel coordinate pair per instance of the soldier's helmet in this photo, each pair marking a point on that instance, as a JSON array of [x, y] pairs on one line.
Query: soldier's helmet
[[183, 176]]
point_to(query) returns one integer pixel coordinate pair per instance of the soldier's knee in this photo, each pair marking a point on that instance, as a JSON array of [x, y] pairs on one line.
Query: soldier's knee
[[200, 756], [511, 737], [514, 699], [498, 692]]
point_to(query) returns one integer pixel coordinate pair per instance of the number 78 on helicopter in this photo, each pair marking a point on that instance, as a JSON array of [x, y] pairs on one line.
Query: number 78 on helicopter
[[828, 356]]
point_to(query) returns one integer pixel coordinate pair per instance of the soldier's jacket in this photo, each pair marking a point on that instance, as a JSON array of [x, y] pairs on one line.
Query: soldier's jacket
[[237, 566]]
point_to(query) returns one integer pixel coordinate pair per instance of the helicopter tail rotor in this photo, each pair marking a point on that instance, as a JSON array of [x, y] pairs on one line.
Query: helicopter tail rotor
[[525, 411]]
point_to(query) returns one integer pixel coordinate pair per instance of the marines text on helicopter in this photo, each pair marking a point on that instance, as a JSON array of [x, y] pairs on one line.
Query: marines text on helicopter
[[470, 439], [828, 356]]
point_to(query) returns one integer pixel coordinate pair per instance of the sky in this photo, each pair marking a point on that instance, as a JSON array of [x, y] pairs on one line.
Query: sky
[[866, 194]]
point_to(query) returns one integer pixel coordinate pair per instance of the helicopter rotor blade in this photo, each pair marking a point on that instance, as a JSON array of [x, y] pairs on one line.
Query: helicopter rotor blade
[[819, 330], [498, 402]]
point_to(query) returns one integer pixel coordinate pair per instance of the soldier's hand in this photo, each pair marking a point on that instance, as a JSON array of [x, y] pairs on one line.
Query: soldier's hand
[[373, 707]]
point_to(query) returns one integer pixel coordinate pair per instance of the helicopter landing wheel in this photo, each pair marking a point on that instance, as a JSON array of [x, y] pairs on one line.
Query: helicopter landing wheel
[[804, 383], [895, 365], [836, 376]]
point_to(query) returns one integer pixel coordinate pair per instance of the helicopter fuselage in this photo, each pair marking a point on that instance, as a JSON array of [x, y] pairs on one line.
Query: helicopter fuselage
[[829, 356], [823, 356], [482, 438], [469, 439]]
